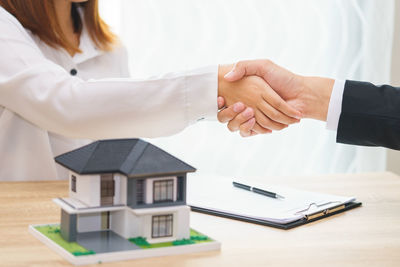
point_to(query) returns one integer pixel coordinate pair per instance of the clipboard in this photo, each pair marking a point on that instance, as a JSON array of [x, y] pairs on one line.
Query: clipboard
[[287, 226], [301, 207]]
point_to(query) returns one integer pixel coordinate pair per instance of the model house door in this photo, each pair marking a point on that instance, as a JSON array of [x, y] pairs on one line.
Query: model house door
[[107, 189], [105, 220]]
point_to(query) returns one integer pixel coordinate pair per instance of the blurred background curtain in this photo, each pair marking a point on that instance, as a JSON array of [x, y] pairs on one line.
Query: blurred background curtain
[[344, 39]]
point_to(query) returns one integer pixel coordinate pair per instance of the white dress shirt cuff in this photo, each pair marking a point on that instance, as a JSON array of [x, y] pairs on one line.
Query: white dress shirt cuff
[[201, 93], [335, 105]]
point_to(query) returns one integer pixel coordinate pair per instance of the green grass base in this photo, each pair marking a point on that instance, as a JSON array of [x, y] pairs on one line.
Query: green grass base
[[53, 233], [195, 238]]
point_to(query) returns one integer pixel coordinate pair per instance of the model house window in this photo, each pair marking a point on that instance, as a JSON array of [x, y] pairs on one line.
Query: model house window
[[163, 190], [107, 186], [180, 189], [161, 226], [140, 191], [73, 183]]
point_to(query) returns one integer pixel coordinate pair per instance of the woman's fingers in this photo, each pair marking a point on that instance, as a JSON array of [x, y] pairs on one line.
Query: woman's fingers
[[246, 128], [221, 102], [230, 112], [243, 121], [240, 119]]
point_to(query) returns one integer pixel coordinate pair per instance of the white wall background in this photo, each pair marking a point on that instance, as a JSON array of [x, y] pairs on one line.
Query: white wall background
[[346, 39], [393, 156]]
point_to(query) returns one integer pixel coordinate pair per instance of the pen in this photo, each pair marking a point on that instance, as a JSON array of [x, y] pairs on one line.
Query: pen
[[257, 190]]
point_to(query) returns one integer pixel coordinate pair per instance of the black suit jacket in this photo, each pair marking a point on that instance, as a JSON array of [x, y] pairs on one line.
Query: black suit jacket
[[370, 115]]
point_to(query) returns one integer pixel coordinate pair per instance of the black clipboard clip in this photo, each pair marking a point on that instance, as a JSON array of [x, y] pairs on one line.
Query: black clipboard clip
[[320, 213], [324, 212]]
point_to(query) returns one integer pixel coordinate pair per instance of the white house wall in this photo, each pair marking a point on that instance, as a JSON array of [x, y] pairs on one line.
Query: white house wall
[[118, 222], [87, 189], [183, 223], [89, 222], [127, 224], [149, 188]]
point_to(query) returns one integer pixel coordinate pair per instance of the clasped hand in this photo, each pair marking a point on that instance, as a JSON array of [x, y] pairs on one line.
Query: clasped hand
[[257, 97]]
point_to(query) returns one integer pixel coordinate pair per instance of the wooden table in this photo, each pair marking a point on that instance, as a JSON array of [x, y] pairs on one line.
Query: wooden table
[[366, 236]]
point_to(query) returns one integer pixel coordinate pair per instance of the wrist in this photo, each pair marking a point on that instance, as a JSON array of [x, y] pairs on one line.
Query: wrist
[[317, 95], [222, 83]]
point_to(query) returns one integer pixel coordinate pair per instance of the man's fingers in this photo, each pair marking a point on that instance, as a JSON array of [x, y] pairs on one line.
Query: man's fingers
[[276, 101], [267, 123], [274, 114], [257, 129], [253, 133], [243, 117], [230, 113]]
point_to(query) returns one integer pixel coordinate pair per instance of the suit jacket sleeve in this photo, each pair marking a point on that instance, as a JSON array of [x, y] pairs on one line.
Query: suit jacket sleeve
[[370, 115]]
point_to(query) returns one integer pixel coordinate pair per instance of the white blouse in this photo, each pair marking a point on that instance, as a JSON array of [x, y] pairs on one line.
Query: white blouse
[[46, 110]]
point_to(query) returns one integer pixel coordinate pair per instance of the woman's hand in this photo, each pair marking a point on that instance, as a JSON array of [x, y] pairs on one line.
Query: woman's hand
[[271, 112], [238, 116]]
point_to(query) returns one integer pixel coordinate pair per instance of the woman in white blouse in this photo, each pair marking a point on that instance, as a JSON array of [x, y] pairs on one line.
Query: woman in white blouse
[[57, 58]]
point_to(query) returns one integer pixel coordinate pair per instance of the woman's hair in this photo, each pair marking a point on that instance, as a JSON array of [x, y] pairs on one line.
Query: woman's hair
[[39, 16]]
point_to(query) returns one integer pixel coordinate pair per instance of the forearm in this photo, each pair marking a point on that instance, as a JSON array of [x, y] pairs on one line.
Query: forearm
[[316, 94], [112, 108], [370, 115]]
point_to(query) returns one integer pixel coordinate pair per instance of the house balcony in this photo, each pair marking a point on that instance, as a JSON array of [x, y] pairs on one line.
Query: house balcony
[[75, 206]]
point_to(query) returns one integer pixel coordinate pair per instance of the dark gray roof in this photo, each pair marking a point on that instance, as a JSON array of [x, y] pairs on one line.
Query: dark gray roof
[[132, 157]]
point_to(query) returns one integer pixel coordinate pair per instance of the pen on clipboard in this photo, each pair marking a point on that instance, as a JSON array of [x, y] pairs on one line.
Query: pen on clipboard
[[257, 190]]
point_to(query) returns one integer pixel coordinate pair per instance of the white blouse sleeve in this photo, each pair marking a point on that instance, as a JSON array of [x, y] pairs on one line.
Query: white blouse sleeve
[[45, 94], [124, 61]]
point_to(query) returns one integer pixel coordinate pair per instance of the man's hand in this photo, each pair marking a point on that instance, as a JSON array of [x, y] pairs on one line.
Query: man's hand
[[271, 112], [309, 95]]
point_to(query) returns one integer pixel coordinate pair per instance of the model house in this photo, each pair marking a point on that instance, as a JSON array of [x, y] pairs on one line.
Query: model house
[[125, 186]]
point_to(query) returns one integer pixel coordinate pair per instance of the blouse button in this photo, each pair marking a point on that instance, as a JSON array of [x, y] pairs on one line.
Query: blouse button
[[73, 72]]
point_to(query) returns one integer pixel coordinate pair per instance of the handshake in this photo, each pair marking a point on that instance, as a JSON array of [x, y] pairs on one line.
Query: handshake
[[258, 97]]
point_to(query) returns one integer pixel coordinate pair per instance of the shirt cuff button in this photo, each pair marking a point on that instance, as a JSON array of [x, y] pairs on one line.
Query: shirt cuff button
[[73, 72]]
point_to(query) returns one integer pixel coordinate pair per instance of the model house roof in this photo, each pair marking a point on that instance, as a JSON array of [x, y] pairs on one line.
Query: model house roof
[[132, 157]]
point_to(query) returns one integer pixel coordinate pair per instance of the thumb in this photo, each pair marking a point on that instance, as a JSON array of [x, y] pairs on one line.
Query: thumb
[[236, 73], [221, 102]]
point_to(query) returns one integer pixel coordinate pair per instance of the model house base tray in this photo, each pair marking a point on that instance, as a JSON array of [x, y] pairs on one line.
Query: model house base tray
[[107, 246]]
